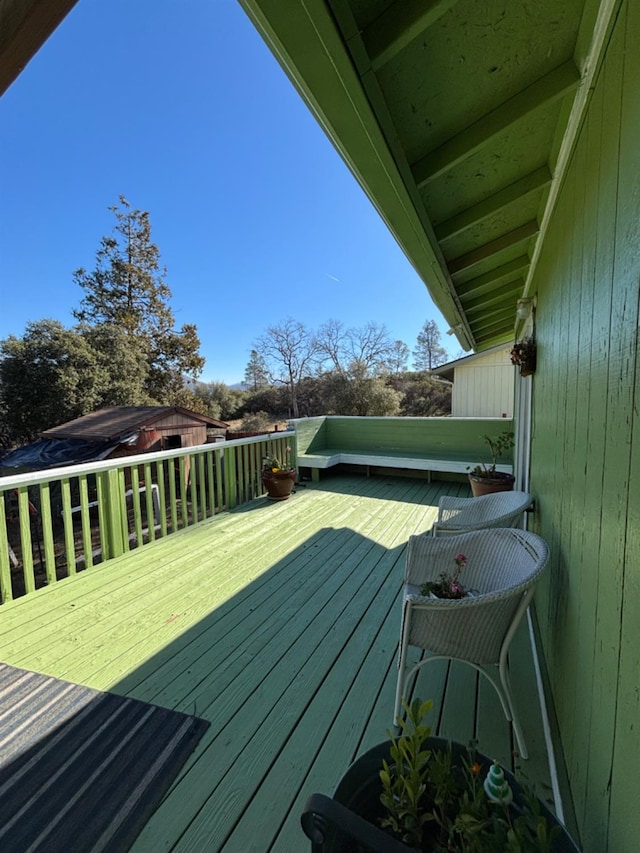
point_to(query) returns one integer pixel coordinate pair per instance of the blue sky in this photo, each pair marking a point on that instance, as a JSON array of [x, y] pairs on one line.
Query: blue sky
[[180, 107]]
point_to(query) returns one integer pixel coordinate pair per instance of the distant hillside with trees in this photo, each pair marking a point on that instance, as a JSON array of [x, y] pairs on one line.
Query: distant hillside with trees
[[296, 372]]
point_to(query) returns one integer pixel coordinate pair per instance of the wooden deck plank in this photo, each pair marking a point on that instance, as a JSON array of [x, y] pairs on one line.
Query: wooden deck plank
[[277, 622], [458, 717], [493, 732], [302, 664]]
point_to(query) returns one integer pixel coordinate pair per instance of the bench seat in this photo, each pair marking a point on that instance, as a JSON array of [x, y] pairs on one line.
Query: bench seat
[[322, 459]]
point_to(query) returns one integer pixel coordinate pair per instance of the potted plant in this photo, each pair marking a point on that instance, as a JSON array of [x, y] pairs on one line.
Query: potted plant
[[278, 477], [523, 354], [448, 585], [484, 479], [421, 793]]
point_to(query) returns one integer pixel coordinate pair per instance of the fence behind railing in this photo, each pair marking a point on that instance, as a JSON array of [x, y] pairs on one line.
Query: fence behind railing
[[55, 523]]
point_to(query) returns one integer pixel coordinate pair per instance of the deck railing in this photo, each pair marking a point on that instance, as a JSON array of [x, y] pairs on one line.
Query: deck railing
[[57, 522]]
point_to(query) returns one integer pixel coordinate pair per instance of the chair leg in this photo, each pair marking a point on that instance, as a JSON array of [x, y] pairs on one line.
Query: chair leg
[[517, 728], [402, 661]]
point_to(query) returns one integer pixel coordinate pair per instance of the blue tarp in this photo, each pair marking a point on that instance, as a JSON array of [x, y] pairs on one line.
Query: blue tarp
[[52, 452]]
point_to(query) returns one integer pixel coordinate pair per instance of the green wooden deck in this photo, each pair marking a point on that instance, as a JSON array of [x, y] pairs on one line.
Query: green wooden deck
[[278, 622]]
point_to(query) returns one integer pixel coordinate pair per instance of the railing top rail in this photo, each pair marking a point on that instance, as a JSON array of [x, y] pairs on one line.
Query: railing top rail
[[34, 478], [401, 418]]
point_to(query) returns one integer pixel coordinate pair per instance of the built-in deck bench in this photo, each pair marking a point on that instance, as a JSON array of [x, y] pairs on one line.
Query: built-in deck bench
[[432, 445]]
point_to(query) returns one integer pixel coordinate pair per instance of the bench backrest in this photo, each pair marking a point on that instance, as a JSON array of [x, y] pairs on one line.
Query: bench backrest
[[436, 437], [311, 434]]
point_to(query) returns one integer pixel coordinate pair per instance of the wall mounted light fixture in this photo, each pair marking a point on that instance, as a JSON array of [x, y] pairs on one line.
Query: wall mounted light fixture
[[524, 307]]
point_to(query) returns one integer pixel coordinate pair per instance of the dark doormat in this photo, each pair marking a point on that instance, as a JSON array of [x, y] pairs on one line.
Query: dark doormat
[[82, 770]]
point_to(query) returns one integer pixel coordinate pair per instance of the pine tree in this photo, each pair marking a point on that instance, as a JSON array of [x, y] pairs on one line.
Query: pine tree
[[127, 289], [428, 352], [256, 375]]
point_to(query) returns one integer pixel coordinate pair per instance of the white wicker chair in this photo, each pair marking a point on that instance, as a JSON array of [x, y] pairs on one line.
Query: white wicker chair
[[461, 515], [502, 570]]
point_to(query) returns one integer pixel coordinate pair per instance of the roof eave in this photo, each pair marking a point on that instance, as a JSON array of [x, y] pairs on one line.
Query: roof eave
[[24, 27], [308, 45]]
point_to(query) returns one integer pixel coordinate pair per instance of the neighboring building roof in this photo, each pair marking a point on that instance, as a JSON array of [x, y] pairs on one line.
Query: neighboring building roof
[[52, 452], [446, 370], [115, 421]]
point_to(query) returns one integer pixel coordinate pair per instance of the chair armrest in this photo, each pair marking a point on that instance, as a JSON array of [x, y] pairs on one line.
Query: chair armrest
[[448, 506]]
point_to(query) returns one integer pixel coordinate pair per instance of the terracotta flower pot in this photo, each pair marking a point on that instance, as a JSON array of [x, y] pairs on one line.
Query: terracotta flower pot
[[278, 484], [498, 482]]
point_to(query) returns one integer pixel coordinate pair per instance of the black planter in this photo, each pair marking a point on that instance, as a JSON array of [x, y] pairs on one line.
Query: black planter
[[348, 823]]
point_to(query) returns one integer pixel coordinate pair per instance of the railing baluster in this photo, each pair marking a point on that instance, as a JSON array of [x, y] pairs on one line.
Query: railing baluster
[[47, 533], [162, 506], [203, 486], [102, 491], [67, 520], [230, 481], [172, 495], [219, 479], [211, 492], [135, 502], [149, 502], [6, 589], [85, 522], [183, 491], [121, 508], [24, 518], [193, 488]]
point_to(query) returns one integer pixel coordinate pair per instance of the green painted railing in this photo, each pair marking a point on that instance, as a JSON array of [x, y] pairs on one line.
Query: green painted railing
[[54, 523]]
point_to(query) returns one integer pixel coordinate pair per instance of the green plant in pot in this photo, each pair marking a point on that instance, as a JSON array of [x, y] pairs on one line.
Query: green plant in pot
[[278, 477], [485, 479], [420, 793]]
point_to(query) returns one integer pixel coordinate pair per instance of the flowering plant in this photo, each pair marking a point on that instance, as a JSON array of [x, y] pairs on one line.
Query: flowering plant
[[447, 585], [524, 355], [272, 464]]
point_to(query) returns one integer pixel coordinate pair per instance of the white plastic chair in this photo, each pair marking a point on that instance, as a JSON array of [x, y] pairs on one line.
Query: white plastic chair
[[461, 515], [502, 570]]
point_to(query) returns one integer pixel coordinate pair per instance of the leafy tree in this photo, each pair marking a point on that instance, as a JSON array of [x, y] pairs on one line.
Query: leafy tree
[[221, 402], [273, 399], [6, 440], [122, 361], [359, 394], [288, 350], [49, 376], [422, 395], [256, 375], [256, 422], [429, 352], [127, 289]]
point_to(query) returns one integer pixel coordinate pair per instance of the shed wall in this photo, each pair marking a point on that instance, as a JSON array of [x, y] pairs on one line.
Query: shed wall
[[586, 448], [484, 388]]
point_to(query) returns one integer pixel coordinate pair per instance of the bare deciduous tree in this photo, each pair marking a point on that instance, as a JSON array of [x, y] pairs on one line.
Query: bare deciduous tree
[[289, 351]]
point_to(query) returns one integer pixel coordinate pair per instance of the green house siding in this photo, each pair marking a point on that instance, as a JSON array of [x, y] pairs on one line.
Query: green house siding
[[586, 445]]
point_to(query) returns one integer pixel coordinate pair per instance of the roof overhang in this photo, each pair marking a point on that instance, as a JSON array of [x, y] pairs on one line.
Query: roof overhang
[[458, 119], [24, 27], [446, 371]]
